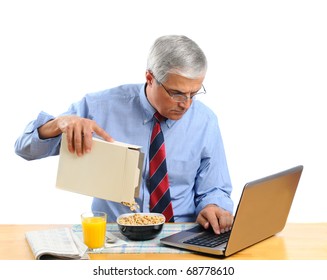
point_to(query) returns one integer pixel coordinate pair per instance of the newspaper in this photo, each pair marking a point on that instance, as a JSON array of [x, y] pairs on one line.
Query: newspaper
[[57, 243]]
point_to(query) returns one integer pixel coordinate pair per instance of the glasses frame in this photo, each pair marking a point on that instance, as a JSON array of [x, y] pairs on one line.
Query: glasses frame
[[181, 97]]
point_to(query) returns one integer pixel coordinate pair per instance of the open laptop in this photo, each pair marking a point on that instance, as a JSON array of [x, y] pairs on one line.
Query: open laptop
[[261, 213]]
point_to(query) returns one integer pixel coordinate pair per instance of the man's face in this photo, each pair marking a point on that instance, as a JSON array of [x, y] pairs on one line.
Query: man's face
[[160, 95]]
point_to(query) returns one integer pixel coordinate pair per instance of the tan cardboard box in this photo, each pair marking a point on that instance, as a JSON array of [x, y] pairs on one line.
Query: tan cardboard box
[[111, 171]]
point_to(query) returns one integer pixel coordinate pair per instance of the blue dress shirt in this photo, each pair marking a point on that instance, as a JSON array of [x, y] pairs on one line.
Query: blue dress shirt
[[196, 162]]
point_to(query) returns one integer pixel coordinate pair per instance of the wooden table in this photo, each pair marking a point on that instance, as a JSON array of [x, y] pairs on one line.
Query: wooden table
[[295, 242]]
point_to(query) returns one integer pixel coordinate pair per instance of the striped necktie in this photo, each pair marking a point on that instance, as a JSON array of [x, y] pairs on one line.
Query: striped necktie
[[160, 201]]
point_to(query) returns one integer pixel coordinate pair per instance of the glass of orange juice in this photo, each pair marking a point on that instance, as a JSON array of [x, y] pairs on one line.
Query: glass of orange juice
[[94, 230]]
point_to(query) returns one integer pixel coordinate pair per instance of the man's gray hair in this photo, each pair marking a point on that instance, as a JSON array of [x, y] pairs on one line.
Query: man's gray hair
[[176, 54]]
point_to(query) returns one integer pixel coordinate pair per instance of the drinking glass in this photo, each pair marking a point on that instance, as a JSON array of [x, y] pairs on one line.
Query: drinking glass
[[94, 230]]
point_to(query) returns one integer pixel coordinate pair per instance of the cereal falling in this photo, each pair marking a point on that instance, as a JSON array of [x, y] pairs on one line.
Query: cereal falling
[[132, 205]]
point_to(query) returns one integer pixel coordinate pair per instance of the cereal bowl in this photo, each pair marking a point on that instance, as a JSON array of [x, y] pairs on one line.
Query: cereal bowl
[[140, 226]]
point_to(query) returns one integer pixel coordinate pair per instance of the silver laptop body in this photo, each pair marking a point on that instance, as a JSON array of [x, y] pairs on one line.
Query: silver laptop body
[[261, 213]]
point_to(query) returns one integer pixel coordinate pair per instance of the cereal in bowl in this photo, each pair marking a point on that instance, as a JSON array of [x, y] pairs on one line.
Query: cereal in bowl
[[138, 219]]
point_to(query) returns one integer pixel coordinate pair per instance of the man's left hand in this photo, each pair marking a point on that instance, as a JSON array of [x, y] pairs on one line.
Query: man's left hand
[[219, 219]]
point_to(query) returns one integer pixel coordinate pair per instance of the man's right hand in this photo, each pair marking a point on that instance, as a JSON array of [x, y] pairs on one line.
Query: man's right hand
[[79, 132]]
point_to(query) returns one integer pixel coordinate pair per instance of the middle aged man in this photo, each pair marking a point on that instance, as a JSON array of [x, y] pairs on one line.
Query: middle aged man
[[199, 182]]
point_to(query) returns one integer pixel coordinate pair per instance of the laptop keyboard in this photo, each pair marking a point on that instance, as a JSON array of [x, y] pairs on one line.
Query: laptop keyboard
[[208, 239]]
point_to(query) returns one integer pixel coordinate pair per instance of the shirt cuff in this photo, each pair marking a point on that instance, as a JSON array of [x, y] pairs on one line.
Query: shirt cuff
[[224, 202], [41, 148]]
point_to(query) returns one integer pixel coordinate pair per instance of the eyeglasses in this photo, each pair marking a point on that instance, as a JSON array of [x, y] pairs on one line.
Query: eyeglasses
[[182, 97]]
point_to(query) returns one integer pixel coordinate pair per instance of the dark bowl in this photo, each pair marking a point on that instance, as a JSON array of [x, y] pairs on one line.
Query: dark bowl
[[140, 232]]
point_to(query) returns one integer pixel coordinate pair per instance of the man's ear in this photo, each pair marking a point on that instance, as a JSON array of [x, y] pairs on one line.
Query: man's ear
[[149, 78]]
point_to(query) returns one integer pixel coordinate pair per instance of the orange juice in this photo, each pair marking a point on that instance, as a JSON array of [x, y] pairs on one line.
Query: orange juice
[[94, 231]]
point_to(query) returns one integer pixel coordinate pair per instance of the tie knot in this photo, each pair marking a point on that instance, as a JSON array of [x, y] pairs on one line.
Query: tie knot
[[158, 117]]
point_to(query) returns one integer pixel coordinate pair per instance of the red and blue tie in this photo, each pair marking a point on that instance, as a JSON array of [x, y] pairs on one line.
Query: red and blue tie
[[160, 201]]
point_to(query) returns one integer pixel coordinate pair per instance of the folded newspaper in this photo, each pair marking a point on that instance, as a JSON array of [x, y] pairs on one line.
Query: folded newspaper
[[57, 243]]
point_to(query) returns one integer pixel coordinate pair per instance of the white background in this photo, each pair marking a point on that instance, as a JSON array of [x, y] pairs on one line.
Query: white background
[[266, 82]]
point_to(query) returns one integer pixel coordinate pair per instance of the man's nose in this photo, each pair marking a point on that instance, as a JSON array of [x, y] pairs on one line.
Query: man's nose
[[185, 104]]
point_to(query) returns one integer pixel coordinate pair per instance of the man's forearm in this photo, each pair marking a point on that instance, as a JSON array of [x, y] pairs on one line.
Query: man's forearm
[[49, 129]]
